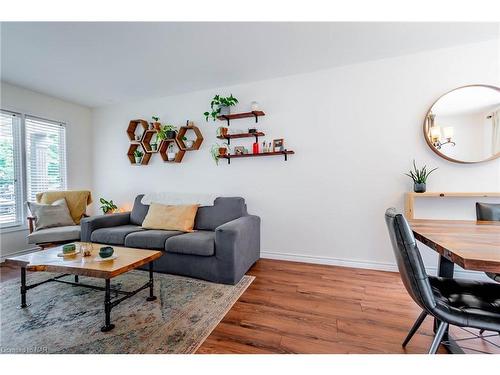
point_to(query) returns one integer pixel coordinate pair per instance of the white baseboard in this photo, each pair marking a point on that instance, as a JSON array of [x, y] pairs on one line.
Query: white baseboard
[[459, 273], [16, 253]]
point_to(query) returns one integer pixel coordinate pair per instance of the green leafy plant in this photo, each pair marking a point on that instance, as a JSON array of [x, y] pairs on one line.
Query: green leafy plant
[[162, 133], [419, 176], [215, 151], [216, 104], [107, 206], [138, 153]]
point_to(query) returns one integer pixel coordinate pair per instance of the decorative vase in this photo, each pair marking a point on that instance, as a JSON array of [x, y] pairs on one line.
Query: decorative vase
[[138, 160], [223, 131], [170, 134], [171, 156], [106, 251], [224, 110], [255, 106], [419, 187]]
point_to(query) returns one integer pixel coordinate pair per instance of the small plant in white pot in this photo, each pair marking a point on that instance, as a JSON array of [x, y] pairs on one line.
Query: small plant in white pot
[[138, 154], [188, 142], [154, 146], [171, 152]]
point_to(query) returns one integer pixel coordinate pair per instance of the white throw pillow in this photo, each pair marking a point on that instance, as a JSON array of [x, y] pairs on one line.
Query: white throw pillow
[[51, 215]]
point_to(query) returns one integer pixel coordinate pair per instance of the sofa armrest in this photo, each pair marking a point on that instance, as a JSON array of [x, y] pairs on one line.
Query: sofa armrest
[[238, 241], [90, 224]]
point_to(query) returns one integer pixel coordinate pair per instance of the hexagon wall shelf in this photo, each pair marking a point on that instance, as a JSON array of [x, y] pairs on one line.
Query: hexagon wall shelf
[[132, 126], [164, 148], [150, 135], [131, 158], [182, 132]]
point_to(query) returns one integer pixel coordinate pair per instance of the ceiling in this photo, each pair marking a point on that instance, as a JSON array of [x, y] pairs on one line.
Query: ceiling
[[97, 64]]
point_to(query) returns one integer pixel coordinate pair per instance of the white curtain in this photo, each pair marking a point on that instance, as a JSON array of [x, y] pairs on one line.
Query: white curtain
[[495, 118]]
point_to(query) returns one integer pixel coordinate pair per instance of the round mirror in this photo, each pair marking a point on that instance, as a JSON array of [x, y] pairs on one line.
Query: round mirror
[[463, 125]]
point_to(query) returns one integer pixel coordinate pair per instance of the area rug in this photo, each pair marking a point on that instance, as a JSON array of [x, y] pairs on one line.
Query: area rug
[[67, 319]]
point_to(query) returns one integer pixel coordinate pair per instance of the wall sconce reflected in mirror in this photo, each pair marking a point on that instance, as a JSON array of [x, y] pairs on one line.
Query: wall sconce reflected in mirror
[[440, 139]]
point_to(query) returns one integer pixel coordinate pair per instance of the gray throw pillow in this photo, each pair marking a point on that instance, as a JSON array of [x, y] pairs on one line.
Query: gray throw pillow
[[51, 215]]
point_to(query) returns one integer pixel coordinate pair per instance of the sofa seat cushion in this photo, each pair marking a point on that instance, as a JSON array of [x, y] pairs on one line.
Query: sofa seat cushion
[[56, 234], [201, 243], [114, 235], [150, 239]]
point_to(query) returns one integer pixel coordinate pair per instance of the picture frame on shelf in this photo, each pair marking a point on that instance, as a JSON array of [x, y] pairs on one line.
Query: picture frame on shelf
[[278, 144]]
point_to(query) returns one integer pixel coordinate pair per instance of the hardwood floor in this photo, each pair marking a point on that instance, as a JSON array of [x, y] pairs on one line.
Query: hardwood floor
[[305, 308]]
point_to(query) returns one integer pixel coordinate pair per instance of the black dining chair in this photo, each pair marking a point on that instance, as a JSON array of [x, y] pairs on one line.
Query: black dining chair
[[489, 212], [463, 303]]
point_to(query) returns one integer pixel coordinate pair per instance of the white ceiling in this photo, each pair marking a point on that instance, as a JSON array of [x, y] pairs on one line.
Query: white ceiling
[[96, 64]]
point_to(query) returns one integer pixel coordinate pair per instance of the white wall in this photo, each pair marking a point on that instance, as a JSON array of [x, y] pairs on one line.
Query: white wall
[[78, 140], [355, 131]]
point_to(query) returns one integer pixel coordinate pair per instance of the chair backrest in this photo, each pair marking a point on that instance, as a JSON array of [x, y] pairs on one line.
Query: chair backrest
[[409, 261], [488, 211]]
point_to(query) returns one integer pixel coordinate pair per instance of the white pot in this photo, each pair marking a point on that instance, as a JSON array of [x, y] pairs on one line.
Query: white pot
[[138, 160], [189, 144], [171, 156]]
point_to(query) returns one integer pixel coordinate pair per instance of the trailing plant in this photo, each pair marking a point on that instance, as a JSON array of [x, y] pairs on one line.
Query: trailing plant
[[214, 151], [107, 206], [216, 104], [155, 118], [419, 176], [138, 153], [162, 133]]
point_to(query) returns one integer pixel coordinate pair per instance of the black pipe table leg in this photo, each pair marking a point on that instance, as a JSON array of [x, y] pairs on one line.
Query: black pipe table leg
[[76, 278], [446, 269], [23, 289], [151, 297], [107, 308]]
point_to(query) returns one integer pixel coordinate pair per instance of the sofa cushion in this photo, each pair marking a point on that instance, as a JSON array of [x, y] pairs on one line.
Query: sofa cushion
[[55, 214], [139, 211], [57, 234], [166, 217], [225, 209], [150, 239], [201, 242], [114, 235]]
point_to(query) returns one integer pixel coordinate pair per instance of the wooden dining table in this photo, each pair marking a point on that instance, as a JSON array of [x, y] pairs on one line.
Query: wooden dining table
[[473, 245]]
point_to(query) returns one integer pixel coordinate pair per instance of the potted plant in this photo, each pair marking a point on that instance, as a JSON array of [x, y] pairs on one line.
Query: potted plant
[[419, 177], [156, 122], [218, 150], [222, 131], [220, 106], [108, 207], [138, 156], [166, 132], [154, 146], [171, 152], [188, 142]]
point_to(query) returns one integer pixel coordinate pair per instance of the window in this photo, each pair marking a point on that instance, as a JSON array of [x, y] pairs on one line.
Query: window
[[31, 150], [45, 156], [11, 209]]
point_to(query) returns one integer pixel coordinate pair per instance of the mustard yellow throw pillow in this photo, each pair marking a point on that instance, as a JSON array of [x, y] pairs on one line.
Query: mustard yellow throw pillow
[[165, 217]]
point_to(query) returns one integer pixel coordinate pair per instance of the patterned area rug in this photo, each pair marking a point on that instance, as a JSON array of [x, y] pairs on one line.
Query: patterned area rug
[[67, 319]]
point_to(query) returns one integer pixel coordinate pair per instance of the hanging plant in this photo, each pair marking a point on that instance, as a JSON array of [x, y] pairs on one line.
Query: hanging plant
[[220, 106]]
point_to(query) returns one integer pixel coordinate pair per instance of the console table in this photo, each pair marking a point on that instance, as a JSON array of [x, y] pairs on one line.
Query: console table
[[410, 198]]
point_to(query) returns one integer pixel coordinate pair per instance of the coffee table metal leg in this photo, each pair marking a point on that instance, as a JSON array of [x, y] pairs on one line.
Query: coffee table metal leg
[[107, 308], [23, 289], [151, 297], [76, 278]]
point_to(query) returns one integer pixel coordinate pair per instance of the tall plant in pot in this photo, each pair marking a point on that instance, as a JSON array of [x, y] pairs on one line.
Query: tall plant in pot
[[419, 177], [220, 106], [138, 154]]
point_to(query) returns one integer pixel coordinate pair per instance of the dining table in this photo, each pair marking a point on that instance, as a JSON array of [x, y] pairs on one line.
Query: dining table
[[471, 244]]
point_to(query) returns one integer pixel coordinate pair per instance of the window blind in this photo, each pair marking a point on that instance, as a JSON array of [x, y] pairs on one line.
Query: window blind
[[11, 208], [45, 143]]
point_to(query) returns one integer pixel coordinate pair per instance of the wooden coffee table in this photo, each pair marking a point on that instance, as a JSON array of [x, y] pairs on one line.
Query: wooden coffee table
[[77, 265]]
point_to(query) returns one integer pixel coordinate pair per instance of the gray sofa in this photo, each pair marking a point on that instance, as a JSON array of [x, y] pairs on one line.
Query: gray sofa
[[224, 245]]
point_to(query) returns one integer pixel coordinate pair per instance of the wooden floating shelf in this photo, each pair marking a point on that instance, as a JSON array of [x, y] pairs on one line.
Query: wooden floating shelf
[[235, 116], [274, 153], [410, 198], [228, 137]]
